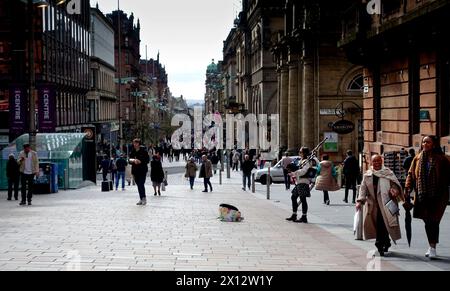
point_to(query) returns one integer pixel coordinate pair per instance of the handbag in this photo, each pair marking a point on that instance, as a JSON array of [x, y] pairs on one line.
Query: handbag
[[358, 225], [392, 207]]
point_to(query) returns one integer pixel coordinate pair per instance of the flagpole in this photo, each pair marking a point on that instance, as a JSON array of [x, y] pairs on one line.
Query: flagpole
[[120, 77]]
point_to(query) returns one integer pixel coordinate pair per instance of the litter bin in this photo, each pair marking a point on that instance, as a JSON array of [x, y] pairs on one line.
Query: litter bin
[[47, 181]]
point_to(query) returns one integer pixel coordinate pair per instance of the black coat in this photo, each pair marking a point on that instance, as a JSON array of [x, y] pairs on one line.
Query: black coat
[[248, 166], [351, 167], [157, 173], [142, 156], [12, 169]]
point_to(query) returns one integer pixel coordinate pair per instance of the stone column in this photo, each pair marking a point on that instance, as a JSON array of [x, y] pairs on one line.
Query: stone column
[[284, 105], [293, 104], [308, 104]]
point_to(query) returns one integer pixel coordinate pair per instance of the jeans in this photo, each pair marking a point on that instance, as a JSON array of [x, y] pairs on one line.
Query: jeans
[[287, 179], [27, 179], [247, 177], [139, 179], [191, 182], [120, 175], [206, 182], [105, 175]]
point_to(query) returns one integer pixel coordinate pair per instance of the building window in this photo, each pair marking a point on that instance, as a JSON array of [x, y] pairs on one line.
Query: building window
[[391, 6], [443, 82], [357, 84]]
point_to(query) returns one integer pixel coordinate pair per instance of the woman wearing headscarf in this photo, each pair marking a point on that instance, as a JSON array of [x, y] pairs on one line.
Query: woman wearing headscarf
[[380, 193], [428, 176], [157, 173]]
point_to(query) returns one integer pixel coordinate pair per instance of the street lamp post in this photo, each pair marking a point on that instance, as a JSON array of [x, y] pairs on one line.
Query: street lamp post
[[31, 67], [32, 79], [119, 28], [227, 77]]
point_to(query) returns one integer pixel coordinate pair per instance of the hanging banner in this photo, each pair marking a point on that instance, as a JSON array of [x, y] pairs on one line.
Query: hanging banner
[[343, 127], [332, 143], [47, 109], [18, 110]]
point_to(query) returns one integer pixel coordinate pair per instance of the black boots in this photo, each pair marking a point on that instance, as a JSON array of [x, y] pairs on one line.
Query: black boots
[[304, 219], [292, 218]]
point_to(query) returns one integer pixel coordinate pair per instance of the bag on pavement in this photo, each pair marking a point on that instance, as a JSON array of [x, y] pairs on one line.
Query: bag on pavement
[[229, 213]]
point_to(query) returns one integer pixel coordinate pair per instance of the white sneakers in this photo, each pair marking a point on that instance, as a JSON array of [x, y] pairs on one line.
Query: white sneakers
[[431, 253]]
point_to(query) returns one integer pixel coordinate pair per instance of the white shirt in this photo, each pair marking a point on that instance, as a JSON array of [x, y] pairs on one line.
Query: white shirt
[[28, 164]]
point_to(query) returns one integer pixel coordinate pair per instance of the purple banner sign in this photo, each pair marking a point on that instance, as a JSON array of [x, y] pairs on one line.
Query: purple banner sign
[[47, 109], [18, 110]]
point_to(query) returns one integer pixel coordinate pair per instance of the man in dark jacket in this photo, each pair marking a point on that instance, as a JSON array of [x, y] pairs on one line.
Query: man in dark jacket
[[106, 167], [139, 160], [351, 173], [247, 167], [13, 174], [206, 173], [408, 161], [121, 166]]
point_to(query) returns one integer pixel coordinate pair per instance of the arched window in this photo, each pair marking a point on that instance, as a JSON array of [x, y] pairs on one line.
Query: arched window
[[357, 84]]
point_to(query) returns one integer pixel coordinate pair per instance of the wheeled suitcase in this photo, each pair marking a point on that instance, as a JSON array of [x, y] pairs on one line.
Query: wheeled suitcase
[[105, 186], [111, 186]]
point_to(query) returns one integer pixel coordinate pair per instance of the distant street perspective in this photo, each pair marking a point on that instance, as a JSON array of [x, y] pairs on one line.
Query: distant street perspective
[[224, 135]]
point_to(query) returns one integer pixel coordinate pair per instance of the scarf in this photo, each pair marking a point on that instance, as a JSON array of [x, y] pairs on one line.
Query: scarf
[[386, 176], [427, 179]]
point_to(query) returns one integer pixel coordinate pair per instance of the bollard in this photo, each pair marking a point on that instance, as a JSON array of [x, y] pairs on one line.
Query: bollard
[[269, 180], [253, 183], [228, 165], [220, 177], [66, 178]]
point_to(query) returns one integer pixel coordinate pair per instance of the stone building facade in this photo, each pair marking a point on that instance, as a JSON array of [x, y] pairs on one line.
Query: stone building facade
[[406, 56], [102, 98], [127, 70], [316, 82], [61, 65]]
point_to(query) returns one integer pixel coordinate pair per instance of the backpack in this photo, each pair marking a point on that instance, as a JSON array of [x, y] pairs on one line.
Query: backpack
[[311, 174], [113, 165], [229, 213]]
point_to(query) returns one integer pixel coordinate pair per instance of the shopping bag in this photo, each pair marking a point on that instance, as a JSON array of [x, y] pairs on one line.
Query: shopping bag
[[358, 225], [163, 187]]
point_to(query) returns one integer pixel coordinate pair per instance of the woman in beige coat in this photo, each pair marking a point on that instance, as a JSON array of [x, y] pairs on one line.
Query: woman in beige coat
[[326, 179], [380, 193]]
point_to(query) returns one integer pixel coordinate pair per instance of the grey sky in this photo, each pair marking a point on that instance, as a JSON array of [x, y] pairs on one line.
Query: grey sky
[[188, 34]]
